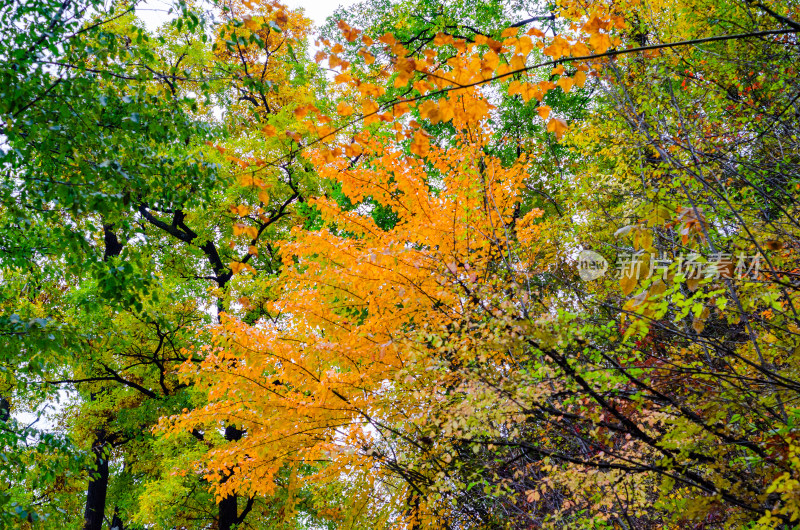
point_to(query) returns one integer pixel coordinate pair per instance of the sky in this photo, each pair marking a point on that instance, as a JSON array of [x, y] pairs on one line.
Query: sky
[[154, 12]]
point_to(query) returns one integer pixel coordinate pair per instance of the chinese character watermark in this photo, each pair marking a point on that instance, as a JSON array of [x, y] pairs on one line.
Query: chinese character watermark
[[720, 265]]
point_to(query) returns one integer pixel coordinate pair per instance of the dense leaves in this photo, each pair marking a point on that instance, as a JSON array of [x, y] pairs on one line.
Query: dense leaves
[[501, 266]]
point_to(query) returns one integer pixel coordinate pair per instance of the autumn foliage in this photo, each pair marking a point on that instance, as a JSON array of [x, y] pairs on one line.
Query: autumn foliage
[[406, 333], [450, 363]]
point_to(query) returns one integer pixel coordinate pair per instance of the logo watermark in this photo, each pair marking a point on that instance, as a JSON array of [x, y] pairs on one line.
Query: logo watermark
[[721, 265], [591, 265]]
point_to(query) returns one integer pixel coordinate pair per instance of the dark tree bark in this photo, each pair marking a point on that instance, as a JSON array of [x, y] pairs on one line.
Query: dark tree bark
[[228, 507], [98, 486], [97, 490], [112, 245], [5, 409], [116, 522]]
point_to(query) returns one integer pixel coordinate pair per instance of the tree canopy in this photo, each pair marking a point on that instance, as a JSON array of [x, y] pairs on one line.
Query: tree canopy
[[472, 265]]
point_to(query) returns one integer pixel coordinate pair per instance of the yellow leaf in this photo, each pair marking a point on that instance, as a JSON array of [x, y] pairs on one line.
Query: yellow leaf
[[580, 79], [627, 284], [657, 289], [642, 239], [579, 49], [352, 150], [529, 91], [524, 46]]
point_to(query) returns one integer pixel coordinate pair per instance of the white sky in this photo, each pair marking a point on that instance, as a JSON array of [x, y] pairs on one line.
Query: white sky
[[154, 12]]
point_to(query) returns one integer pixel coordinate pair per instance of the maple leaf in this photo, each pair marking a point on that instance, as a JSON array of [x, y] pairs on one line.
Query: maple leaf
[[343, 78], [509, 32], [557, 126], [420, 144], [565, 83], [369, 107], [544, 111], [343, 109], [348, 32], [558, 48], [367, 56], [600, 42]]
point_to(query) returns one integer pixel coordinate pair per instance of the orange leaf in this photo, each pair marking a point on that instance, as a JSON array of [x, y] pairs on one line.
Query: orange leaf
[[579, 49], [369, 107], [343, 78], [565, 83], [420, 144], [509, 32], [557, 126], [600, 42], [368, 57], [544, 111], [343, 109]]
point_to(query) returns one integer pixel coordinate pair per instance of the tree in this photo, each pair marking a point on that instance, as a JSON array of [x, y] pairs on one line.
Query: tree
[[463, 327], [112, 245]]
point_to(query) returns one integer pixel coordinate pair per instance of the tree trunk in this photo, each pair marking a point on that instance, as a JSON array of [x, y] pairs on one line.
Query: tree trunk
[[116, 522], [228, 507], [98, 486]]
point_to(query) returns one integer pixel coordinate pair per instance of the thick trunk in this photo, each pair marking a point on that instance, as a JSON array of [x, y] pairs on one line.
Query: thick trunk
[[116, 522], [98, 487], [228, 507], [227, 512]]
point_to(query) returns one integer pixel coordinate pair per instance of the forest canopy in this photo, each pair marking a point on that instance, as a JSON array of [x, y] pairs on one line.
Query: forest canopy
[[434, 264]]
